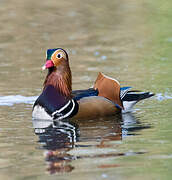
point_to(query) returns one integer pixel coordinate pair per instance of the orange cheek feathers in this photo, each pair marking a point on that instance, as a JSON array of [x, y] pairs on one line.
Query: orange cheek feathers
[[57, 62]]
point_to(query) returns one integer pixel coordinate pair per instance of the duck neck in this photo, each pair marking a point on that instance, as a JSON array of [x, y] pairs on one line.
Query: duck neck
[[60, 77]]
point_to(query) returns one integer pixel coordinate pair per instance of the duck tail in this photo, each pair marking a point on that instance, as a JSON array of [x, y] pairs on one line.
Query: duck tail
[[109, 88], [132, 97]]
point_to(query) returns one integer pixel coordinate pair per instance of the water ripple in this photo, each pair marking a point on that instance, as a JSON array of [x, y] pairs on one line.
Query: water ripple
[[161, 97], [16, 99]]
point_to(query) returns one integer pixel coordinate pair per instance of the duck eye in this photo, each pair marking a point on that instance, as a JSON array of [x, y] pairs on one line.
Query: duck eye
[[59, 56]]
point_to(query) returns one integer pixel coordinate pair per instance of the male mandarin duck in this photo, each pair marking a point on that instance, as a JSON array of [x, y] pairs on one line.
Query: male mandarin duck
[[57, 100]]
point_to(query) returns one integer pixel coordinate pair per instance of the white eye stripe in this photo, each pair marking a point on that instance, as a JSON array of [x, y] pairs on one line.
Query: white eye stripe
[[59, 54]]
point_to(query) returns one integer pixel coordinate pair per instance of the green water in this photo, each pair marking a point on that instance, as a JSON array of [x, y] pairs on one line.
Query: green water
[[128, 40]]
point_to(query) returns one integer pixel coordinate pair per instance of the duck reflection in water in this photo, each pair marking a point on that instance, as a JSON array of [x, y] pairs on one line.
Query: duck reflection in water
[[57, 139], [60, 137]]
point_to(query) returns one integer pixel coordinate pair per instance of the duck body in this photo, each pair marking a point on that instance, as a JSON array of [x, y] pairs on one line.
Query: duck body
[[86, 104], [57, 100]]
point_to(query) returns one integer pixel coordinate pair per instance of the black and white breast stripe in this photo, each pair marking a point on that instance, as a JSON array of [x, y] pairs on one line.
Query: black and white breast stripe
[[67, 111]]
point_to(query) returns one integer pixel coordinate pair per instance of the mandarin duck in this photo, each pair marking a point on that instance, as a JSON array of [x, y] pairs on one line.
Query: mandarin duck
[[57, 100]]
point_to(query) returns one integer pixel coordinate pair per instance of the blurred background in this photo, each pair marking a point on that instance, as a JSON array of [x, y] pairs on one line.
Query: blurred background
[[128, 40]]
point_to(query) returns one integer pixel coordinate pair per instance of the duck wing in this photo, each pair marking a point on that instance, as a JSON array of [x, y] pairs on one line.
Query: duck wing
[[78, 94], [108, 88], [130, 98]]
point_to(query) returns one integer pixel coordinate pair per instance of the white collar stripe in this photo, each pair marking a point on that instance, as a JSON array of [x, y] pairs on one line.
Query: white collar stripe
[[61, 109], [69, 113]]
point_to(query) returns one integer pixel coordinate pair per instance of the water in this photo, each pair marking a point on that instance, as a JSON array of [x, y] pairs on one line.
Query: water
[[128, 40]]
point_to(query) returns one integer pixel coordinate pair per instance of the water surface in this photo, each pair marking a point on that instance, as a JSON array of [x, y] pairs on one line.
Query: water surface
[[128, 40]]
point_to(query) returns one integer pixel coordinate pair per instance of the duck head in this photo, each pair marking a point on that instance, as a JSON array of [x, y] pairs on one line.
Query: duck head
[[59, 73], [55, 57]]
